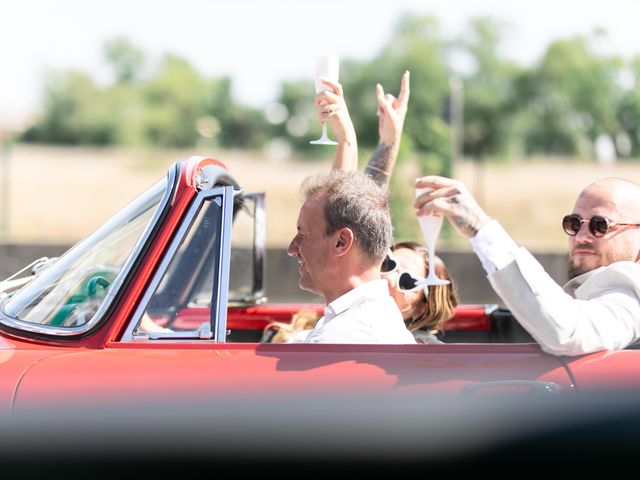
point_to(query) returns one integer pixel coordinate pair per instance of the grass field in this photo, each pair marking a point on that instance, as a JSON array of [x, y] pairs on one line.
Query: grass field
[[58, 195]]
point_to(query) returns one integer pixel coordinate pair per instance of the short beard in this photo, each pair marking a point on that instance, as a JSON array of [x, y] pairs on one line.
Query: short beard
[[575, 270]]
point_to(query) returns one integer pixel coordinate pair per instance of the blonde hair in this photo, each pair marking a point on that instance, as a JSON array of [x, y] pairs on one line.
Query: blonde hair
[[442, 299]]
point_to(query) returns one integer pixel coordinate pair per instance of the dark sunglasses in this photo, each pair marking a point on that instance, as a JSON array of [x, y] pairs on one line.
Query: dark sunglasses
[[406, 282], [598, 225]]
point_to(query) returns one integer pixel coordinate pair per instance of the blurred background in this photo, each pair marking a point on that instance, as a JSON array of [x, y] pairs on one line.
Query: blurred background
[[527, 103]]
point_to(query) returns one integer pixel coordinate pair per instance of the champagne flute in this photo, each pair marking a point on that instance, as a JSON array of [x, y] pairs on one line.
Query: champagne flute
[[327, 66], [430, 226]]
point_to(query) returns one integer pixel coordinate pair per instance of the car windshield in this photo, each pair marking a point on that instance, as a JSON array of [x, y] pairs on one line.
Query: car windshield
[[69, 293]]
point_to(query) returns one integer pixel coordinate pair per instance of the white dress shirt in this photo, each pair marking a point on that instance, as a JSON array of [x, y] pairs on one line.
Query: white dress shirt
[[365, 314], [599, 310]]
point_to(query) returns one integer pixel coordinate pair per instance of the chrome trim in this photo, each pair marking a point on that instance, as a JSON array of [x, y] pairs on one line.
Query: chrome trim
[[177, 336], [536, 388], [224, 267], [205, 331], [208, 177], [489, 308], [35, 266], [259, 249]]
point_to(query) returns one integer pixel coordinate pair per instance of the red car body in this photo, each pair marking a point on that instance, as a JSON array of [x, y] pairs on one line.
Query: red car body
[[69, 336]]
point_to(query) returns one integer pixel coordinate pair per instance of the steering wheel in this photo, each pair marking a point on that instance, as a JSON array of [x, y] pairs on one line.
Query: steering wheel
[[81, 304], [93, 283]]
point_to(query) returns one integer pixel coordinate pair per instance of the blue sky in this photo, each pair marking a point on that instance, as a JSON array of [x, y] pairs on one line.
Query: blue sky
[[261, 42]]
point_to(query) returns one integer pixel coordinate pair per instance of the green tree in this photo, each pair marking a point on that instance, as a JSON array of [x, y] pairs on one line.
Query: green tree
[[76, 112], [174, 98], [126, 59], [240, 127], [488, 91], [416, 45], [628, 113], [560, 106], [300, 124], [165, 110], [573, 96]]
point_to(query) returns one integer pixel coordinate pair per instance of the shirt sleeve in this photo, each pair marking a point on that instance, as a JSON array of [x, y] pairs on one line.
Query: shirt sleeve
[[494, 247]]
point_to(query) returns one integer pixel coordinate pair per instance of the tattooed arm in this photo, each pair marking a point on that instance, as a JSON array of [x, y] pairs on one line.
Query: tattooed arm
[[381, 163], [392, 112]]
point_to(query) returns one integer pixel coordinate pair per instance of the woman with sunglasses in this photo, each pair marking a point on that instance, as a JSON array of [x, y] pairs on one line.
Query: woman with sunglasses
[[424, 309]]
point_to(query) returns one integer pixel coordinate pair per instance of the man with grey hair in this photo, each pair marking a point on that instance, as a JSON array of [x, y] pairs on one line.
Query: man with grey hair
[[599, 308], [344, 231]]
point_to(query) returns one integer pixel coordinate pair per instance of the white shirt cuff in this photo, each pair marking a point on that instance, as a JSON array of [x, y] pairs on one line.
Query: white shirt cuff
[[494, 247]]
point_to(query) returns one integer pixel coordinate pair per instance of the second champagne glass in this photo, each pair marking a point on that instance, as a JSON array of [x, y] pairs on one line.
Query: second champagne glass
[[430, 226], [327, 66]]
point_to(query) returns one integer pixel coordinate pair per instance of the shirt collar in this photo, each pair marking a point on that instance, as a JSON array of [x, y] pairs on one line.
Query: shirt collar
[[371, 289]]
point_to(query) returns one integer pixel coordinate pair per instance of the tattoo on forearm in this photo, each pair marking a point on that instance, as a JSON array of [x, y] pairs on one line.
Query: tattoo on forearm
[[381, 163], [466, 224], [469, 217]]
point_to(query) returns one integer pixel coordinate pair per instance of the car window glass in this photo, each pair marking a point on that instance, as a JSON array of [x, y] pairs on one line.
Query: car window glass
[[69, 292], [195, 262]]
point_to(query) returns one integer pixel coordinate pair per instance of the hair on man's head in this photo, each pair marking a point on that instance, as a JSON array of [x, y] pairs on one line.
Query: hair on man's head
[[355, 201]]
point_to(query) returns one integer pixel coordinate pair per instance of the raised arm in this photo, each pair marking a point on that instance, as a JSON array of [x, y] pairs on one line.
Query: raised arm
[[392, 112], [333, 109]]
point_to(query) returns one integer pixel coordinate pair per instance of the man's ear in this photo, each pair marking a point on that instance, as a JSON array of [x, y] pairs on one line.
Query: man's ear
[[344, 239]]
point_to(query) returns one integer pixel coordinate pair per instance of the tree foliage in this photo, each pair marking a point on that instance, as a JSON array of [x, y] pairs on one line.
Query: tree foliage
[[562, 104], [76, 112], [573, 96], [628, 113], [126, 59]]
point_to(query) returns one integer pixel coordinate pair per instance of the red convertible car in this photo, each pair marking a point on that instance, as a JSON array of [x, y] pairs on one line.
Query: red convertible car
[[187, 256]]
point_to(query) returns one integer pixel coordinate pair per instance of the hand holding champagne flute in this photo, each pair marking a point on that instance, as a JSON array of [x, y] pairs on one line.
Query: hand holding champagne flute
[[327, 66], [430, 226]]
